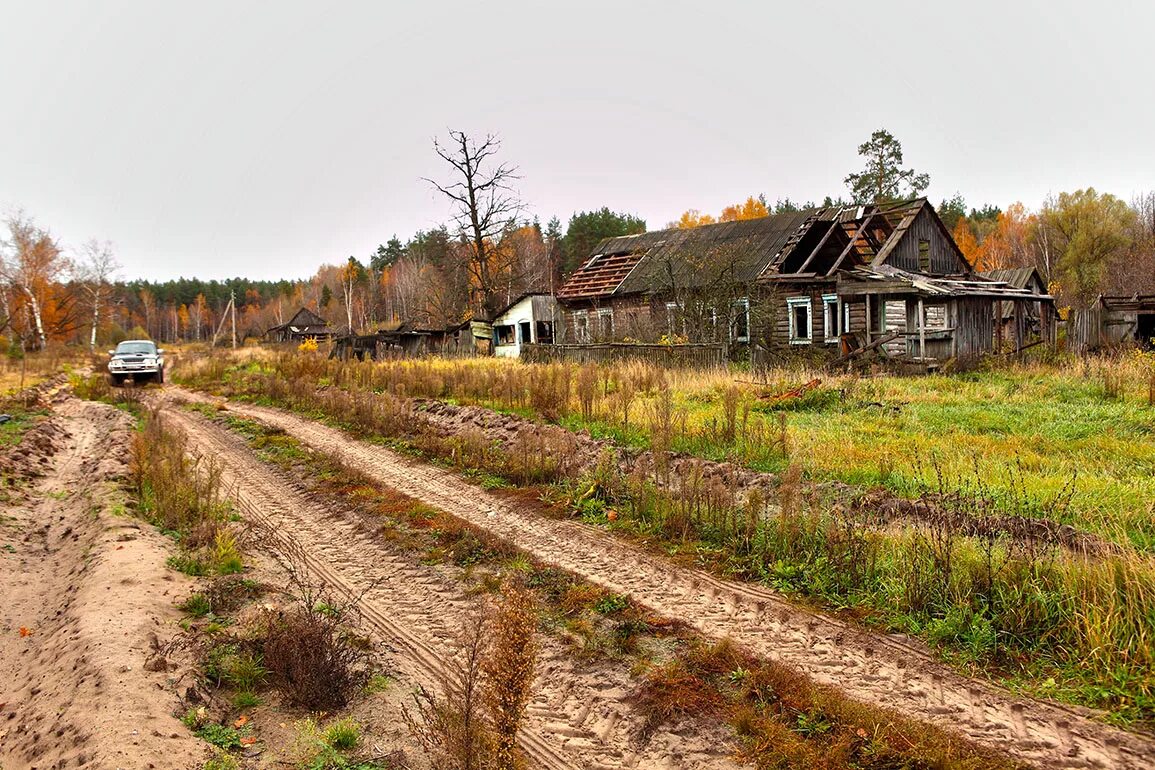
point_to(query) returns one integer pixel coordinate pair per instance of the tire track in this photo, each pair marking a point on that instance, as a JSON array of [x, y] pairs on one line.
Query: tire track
[[867, 666], [576, 719]]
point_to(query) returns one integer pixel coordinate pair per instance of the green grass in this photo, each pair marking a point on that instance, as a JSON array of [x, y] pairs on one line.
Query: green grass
[[12, 432], [1027, 437]]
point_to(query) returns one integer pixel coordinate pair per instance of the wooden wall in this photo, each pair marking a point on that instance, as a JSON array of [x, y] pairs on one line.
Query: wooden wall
[[944, 255]]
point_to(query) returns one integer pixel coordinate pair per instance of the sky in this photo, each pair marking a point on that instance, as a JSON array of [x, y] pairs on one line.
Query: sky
[[262, 139]]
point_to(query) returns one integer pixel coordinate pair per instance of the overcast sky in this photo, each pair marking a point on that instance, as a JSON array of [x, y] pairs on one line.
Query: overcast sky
[[261, 139]]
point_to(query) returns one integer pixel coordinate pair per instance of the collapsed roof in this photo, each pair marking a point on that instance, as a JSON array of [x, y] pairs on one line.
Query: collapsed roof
[[813, 243]]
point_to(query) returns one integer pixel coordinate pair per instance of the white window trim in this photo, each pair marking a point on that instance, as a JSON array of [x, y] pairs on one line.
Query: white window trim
[[581, 326], [605, 312], [743, 306], [830, 317], [845, 315], [791, 303], [673, 310]]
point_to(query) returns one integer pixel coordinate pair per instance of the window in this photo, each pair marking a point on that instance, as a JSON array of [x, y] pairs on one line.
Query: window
[[798, 312], [581, 326], [606, 324], [924, 255], [935, 317], [545, 332], [525, 332], [740, 321], [504, 334], [830, 317], [675, 320]]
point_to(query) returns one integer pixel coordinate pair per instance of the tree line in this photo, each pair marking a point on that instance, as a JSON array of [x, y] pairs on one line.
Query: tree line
[[490, 252]]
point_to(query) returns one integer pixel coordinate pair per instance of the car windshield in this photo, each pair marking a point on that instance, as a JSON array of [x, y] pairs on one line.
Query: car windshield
[[136, 347]]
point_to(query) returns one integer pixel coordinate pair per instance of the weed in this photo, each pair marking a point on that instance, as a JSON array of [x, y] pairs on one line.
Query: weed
[[222, 760], [197, 605], [343, 734], [611, 604], [245, 700], [221, 736]]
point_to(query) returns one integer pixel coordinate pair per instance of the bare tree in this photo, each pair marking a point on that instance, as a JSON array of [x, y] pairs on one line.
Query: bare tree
[[95, 270], [485, 209]]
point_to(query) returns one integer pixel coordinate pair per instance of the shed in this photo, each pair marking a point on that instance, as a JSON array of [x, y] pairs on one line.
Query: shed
[[529, 319], [1113, 321], [303, 325]]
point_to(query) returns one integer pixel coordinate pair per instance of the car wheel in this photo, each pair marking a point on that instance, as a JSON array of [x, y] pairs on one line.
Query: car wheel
[[117, 379], [160, 376]]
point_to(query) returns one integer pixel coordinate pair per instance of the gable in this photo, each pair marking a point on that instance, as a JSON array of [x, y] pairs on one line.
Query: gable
[[921, 238], [306, 317]]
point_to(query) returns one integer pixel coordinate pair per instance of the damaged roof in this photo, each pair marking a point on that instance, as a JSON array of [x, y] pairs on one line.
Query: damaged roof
[[892, 280], [728, 253]]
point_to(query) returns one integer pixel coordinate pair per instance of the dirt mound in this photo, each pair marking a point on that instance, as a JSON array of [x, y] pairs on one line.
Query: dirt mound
[[510, 431]]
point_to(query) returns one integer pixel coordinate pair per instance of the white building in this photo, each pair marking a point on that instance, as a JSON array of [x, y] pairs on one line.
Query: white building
[[528, 319]]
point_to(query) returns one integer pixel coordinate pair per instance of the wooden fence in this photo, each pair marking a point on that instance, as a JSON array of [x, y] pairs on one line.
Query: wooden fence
[[689, 356]]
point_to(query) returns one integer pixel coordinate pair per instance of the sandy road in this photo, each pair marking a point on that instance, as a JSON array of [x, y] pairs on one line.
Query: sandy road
[[577, 719], [868, 666], [90, 589]]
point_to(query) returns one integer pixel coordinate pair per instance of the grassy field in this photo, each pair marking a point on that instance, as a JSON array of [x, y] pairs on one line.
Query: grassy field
[[1073, 443]]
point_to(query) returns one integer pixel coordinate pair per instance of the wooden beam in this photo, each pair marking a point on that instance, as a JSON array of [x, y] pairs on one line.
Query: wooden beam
[[853, 240], [921, 330], [813, 252]]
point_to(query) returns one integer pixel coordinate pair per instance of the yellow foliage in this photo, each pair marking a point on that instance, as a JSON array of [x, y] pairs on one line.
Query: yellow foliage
[[309, 345], [693, 218], [751, 208]]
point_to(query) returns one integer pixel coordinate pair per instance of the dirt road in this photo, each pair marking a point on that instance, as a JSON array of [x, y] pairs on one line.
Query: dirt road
[[578, 718], [85, 589], [871, 667]]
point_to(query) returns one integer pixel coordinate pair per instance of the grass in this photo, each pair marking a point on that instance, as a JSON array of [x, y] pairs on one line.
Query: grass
[[1029, 614], [699, 679], [1051, 422]]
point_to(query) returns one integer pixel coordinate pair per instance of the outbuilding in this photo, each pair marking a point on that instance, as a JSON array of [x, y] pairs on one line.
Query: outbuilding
[[529, 319]]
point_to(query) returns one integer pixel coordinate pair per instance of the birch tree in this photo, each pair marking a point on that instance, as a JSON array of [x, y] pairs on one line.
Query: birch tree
[[30, 261], [95, 270]]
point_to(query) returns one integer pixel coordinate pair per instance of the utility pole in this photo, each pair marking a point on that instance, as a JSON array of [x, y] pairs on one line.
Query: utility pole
[[233, 304]]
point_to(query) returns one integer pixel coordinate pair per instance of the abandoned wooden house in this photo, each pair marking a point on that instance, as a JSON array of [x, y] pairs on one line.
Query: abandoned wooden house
[[819, 283], [529, 319], [400, 339], [304, 324], [1019, 325], [1113, 322]]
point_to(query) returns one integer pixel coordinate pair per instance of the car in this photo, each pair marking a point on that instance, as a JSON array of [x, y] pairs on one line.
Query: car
[[138, 359]]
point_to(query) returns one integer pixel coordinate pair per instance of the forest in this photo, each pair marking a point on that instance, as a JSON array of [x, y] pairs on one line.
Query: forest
[[490, 250]]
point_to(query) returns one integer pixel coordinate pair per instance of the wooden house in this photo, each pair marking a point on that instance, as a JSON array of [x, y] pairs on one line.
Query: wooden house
[[819, 283], [1113, 321], [1020, 325], [303, 325]]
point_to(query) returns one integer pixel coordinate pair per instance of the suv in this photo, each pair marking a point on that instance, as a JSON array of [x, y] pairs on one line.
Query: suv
[[136, 359]]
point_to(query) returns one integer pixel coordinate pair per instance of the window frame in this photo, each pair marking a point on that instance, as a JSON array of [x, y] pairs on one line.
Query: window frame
[[740, 309], [831, 320], [581, 326], [602, 314], [792, 304]]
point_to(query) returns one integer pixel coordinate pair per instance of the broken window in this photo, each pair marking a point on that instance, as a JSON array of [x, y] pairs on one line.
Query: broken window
[[924, 255], [675, 319], [830, 317], [545, 332], [504, 334], [799, 314], [740, 321], [606, 323], [581, 326]]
